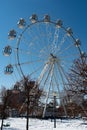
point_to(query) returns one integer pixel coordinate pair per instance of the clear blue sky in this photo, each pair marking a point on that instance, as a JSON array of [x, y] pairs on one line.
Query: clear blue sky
[[72, 12]]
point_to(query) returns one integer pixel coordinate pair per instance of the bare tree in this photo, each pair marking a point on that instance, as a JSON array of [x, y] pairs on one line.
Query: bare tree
[[5, 98], [78, 81], [26, 89], [78, 76], [32, 95]]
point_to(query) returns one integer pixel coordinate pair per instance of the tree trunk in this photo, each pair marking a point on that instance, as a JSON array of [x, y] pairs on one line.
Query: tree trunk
[[2, 123], [27, 123]]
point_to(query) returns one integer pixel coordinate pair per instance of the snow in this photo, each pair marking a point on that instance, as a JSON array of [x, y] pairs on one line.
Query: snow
[[36, 124]]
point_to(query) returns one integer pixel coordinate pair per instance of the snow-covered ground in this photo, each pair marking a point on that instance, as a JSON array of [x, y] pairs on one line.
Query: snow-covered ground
[[35, 124]]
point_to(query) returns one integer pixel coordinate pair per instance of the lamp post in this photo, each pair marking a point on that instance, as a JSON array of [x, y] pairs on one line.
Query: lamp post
[[27, 92], [54, 109]]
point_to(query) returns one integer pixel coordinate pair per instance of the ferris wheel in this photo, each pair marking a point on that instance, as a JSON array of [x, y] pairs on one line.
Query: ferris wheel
[[44, 50]]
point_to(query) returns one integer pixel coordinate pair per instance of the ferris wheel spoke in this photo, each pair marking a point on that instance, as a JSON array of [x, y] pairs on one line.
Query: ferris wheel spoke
[[47, 96], [21, 51], [28, 62], [68, 56], [62, 76], [44, 76], [50, 84], [66, 49], [65, 75], [30, 43], [41, 36], [55, 40], [42, 73], [57, 85], [48, 33], [67, 59], [36, 70], [59, 92], [34, 39], [33, 49], [29, 52], [62, 41], [49, 75]]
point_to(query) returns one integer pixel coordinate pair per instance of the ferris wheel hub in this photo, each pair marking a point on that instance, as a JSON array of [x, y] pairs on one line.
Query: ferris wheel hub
[[52, 58]]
